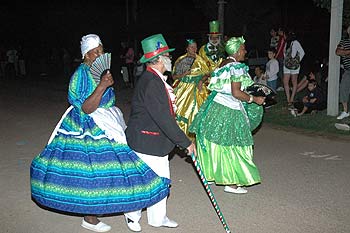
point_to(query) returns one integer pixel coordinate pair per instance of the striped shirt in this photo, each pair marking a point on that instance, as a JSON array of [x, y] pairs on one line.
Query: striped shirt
[[345, 60]]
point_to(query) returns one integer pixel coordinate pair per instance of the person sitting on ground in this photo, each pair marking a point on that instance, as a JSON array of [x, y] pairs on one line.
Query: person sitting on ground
[[312, 73], [305, 81], [312, 102], [259, 75], [261, 78]]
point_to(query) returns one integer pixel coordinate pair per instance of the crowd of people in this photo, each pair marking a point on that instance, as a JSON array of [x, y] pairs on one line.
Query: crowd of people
[[19, 62], [96, 164], [12, 62], [305, 83], [287, 71]]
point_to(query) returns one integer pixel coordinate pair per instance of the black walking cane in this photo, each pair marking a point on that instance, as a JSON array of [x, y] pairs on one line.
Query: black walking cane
[[210, 193]]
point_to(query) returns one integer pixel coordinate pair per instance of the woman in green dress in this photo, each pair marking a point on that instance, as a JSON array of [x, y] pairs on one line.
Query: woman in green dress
[[225, 121]]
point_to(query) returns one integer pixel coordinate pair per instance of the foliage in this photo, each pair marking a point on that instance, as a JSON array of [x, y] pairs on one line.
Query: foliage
[[327, 4], [323, 4]]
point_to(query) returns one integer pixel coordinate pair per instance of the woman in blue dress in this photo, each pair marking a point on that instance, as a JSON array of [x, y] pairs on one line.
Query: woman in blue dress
[[87, 167]]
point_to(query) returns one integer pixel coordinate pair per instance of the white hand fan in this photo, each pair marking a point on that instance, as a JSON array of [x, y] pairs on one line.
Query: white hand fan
[[100, 65]]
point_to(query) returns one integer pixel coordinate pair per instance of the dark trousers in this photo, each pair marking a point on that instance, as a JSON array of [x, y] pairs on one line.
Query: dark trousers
[[310, 107], [130, 67], [280, 73]]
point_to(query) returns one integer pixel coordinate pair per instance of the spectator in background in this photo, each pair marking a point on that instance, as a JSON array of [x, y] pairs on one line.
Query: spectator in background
[[12, 63], [305, 81], [226, 38], [21, 61], [272, 69], [139, 68], [293, 54], [280, 57], [67, 63], [124, 69], [274, 38], [128, 61], [259, 75], [343, 50], [3, 61], [312, 102], [311, 73]]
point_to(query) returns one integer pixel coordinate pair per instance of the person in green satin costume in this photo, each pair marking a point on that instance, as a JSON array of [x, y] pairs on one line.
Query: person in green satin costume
[[225, 121]]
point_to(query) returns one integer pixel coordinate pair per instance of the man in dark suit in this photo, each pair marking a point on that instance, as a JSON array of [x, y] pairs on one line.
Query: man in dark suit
[[152, 130]]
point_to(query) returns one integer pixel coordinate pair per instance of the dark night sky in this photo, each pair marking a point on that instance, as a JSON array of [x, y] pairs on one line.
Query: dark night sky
[[62, 23]]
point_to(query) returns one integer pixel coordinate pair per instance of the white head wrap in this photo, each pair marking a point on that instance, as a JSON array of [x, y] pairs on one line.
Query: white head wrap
[[89, 42]]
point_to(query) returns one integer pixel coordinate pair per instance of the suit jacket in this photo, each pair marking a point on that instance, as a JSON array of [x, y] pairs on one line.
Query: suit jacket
[[152, 128]]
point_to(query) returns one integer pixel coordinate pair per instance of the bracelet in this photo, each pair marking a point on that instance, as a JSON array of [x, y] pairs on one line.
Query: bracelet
[[251, 98]]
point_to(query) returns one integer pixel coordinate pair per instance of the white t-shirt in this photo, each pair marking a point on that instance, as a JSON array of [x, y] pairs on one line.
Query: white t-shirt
[[12, 56], [272, 69]]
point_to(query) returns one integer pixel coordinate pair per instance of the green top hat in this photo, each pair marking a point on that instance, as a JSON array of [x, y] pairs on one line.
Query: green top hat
[[154, 46], [214, 27]]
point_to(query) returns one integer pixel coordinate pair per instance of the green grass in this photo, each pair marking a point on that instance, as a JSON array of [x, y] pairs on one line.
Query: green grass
[[317, 124]]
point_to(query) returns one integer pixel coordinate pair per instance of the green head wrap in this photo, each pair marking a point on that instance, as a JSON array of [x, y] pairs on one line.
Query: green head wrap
[[233, 44], [190, 41]]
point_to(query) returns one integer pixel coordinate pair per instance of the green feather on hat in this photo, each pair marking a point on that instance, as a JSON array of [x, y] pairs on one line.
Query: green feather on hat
[[154, 46]]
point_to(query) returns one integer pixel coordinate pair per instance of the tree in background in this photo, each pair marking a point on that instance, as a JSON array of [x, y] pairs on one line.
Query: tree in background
[[327, 5], [254, 20]]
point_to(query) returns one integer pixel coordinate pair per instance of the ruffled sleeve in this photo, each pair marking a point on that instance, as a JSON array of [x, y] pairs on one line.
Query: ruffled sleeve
[[233, 72]]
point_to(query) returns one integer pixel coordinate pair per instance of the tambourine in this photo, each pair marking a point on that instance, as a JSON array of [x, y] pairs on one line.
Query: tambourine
[[258, 89]]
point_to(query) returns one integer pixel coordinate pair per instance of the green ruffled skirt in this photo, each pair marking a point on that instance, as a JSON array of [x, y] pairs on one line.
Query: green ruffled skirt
[[225, 142]]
